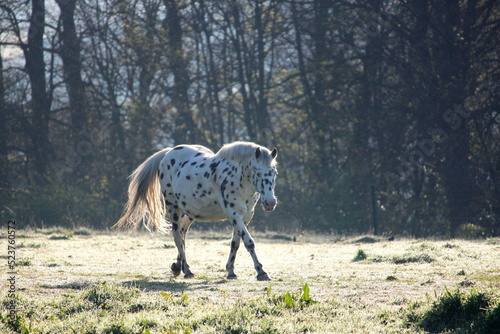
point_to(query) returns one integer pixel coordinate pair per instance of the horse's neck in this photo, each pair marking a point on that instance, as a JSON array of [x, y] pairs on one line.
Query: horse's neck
[[247, 179], [244, 175]]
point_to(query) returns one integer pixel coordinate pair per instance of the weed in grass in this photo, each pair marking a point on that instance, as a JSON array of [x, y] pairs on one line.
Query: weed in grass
[[466, 283], [83, 231], [24, 263], [106, 295], [60, 237], [292, 300], [181, 301], [118, 329], [360, 256], [30, 245], [412, 258], [147, 323]]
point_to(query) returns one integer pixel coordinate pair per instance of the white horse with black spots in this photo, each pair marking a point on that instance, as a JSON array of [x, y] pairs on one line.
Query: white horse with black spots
[[190, 182]]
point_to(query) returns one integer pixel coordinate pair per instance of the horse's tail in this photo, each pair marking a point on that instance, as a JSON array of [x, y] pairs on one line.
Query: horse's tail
[[145, 202]]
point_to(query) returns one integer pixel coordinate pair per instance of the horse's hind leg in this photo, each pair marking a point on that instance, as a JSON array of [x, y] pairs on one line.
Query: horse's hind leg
[[235, 244], [180, 227]]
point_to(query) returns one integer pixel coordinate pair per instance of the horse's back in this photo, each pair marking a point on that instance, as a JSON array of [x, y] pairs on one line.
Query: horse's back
[[185, 152]]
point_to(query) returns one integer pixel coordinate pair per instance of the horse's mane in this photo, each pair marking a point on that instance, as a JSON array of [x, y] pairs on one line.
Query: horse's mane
[[243, 151]]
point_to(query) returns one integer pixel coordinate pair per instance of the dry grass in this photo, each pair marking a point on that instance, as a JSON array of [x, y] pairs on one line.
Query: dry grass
[[369, 295]]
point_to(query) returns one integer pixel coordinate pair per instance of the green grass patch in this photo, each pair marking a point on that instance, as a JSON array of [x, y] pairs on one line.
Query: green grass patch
[[60, 237], [29, 245], [109, 295], [83, 231], [458, 312], [412, 258], [24, 263]]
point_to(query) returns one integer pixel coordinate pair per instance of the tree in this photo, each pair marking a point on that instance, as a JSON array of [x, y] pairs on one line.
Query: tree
[[72, 66], [4, 160], [35, 67], [185, 130]]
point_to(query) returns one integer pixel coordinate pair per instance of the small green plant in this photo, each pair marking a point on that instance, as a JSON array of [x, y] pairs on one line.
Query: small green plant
[[24, 263], [292, 300], [181, 301], [360, 256]]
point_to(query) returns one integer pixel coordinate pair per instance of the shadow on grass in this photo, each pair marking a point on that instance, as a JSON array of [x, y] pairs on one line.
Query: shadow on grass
[[72, 286], [174, 286]]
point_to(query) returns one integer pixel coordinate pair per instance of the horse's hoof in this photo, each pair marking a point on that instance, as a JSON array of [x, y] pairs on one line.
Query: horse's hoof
[[263, 277], [176, 269], [189, 275], [232, 276]]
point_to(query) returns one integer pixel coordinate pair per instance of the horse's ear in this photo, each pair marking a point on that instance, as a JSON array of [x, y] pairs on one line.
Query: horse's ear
[[257, 153], [274, 153]]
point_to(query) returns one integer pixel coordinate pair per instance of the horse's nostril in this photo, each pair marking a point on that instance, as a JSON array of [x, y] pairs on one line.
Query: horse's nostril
[[270, 203]]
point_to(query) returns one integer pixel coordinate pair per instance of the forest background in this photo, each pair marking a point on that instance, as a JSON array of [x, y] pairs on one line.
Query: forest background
[[398, 96]]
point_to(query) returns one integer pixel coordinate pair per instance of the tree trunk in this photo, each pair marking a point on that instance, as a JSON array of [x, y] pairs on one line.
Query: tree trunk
[[242, 65], [35, 66], [185, 128], [4, 161], [72, 67], [456, 166]]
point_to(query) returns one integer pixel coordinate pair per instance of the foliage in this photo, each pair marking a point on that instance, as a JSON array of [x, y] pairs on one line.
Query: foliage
[[350, 98]]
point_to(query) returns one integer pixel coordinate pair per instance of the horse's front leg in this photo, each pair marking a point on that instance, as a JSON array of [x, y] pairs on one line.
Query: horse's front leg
[[180, 226], [235, 241], [249, 243]]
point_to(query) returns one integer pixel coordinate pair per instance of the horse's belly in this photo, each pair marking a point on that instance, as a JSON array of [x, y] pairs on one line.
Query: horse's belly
[[204, 211]]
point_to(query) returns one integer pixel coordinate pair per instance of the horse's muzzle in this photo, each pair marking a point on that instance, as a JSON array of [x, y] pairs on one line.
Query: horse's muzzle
[[269, 204]]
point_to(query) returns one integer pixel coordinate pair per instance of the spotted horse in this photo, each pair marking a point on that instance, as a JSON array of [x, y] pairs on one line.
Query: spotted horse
[[192, 183]]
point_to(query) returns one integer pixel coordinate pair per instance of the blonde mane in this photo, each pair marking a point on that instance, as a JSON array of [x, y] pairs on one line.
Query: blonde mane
[[243, 151]]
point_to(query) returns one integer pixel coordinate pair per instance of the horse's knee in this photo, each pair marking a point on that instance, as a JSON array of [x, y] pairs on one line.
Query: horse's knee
[[250, 245], [235, 245]]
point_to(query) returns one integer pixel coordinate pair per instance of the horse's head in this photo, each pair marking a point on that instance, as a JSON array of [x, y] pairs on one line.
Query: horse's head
[[264, 176]]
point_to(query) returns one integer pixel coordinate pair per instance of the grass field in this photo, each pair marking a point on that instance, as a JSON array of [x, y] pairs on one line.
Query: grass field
[[94, 282]]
